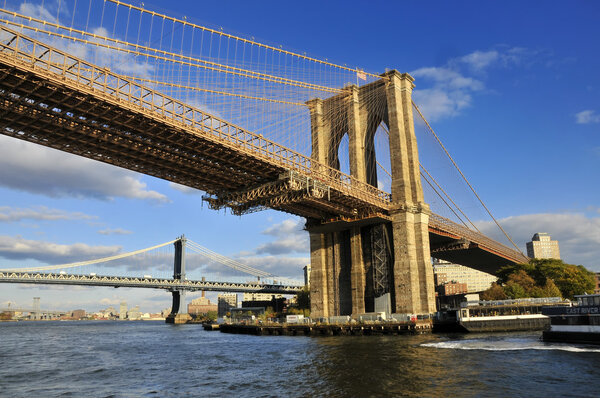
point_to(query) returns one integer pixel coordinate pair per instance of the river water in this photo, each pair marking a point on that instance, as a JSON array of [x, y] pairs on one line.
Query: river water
[[132, 359]]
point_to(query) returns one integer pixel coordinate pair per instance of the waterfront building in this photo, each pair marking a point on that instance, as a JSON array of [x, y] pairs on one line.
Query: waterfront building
[[257, 300], [36, 308], [165, 313], [542, 246], [134, 314], [201, 306], [260, 296], [225, 302], [445, 272], [78, 314], [451, 288], [123, 310]]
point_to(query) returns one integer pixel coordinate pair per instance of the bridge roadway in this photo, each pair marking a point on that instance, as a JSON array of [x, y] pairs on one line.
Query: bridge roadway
[[33, 310], [151, 283], [54, 99]]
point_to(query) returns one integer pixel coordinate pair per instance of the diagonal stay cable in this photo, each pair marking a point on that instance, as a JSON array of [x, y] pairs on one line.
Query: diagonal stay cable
[[89, 262], [465, 178]]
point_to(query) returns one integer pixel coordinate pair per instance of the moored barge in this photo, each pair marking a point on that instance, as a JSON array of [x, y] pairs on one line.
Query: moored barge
[[579, 323]]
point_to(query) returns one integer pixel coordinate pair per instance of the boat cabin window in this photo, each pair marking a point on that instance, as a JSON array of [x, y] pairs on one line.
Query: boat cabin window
[[585, 300], [589, 300]]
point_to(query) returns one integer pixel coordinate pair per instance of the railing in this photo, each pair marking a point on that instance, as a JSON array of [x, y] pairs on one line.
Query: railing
[[156, 283], [449, 226], [521, 301], [37, 56]]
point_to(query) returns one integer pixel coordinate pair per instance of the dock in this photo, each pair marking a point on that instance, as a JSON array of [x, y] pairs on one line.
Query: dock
[[329, 329]]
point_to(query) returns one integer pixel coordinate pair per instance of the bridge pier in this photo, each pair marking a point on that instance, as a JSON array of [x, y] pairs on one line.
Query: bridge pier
[[382, 265], [178, 308]]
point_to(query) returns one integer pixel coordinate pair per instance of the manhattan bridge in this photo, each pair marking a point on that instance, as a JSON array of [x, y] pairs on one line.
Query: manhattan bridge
[[254, 126]]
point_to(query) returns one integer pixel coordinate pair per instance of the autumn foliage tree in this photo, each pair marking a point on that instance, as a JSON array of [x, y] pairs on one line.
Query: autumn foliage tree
[[541, 278]]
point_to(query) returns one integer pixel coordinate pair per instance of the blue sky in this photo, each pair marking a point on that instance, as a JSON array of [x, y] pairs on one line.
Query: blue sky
[[511, 88]]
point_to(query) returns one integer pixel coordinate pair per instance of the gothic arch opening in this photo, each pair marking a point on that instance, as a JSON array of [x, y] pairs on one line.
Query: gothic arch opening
[[377, 155], [342, 155]]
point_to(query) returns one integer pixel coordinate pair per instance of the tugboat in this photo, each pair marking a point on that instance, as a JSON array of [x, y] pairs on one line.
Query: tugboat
[[579, 323]]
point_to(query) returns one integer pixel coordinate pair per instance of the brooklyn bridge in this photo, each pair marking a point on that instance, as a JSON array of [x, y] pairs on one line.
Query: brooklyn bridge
[[253, 126]]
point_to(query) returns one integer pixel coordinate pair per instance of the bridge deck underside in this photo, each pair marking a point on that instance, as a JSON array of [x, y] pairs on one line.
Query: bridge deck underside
[[468, 254], [40, 110]]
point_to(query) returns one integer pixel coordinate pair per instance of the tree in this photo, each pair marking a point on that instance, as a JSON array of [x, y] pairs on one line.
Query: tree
[[212, 315], [522, 279], [513, 290], [495, 292], [551, 278], [6, 316], [550, 289], [303, 299]]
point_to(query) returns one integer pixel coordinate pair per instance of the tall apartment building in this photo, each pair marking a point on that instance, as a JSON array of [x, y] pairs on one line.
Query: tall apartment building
[[225, 302], [123, 310], [541, 246], [445, 272]]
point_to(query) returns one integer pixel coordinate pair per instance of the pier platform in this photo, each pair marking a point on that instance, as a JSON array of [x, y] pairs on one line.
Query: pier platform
[[329, 329]]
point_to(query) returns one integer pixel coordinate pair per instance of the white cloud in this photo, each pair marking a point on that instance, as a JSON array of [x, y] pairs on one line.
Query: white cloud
[[587, 117], [448, 78], [479, 60], [290, 237], [117, 60], [578, 235], [37, 11], [115, 231], [13, 214], [450, 88], [289, 267], [17, 248], [36, 169], [451, 92]]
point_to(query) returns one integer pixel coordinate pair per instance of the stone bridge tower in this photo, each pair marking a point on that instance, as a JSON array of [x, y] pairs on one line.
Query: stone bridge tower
[[379, 264]]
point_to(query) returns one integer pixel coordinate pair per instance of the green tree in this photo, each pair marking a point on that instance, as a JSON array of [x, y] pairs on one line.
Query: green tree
[[513, 290], [522, 279], [550, 289], [551, 276], [212, 315], [303, 299]]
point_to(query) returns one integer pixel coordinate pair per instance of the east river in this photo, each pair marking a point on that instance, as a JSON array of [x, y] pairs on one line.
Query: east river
[[132, 359]]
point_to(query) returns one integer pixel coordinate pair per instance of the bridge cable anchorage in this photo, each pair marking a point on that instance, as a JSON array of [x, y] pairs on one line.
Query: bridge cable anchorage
[[464, 178], [89, 262]]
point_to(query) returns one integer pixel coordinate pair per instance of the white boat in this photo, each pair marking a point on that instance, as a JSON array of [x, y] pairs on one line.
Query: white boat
[[579, 323]]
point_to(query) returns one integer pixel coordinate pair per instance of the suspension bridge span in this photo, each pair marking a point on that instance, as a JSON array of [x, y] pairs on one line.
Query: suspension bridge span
[[178, 285], [370, 248]]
